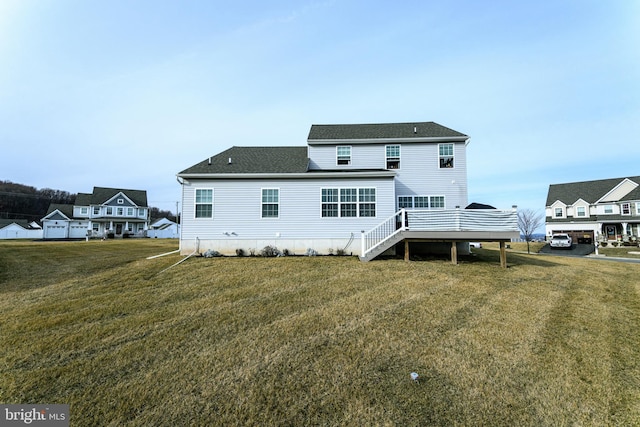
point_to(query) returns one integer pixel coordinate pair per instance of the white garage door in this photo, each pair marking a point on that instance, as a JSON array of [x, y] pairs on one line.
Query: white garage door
[[78, 231], [55, 232]]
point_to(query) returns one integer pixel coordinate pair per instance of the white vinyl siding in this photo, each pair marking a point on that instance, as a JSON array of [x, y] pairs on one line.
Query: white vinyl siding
[[301, 207]]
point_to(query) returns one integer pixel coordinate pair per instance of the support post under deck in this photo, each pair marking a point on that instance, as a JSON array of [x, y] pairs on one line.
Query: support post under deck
[[454, 253], [503, 255]]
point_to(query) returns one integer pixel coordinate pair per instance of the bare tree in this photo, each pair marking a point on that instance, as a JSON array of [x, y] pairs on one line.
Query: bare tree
[[528, 222]]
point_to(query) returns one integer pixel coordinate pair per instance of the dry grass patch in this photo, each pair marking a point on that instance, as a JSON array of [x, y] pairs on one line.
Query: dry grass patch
[[321, 340]]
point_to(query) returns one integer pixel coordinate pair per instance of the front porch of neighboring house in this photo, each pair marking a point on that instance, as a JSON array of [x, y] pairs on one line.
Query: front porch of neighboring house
[[116, 229], [618, 233], [450, 226]]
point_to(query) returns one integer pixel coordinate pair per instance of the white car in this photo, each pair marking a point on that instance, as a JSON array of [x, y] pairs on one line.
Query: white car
[[475, 244], [561, 240]]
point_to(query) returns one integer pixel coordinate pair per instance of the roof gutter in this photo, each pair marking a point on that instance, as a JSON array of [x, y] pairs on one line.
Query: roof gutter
[[303, 175], [387, 140]]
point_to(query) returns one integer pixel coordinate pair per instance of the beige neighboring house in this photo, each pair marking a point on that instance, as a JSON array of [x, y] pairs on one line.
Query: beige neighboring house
[[106, 212]]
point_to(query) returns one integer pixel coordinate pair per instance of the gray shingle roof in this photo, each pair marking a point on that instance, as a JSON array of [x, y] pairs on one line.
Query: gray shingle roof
[[589, 191], [102, 194], [66, 209], [254, 160], [382, 131]]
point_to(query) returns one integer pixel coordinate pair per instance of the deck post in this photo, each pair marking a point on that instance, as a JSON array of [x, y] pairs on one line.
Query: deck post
[[503, 255], [454, 253], [362, 243], [406, 249]]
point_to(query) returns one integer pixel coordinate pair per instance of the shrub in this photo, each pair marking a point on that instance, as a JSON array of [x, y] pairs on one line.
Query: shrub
[[270, 251], [614, 244], [311, 252], [210, 253], [603, 244], [240, 252], [341, 252]]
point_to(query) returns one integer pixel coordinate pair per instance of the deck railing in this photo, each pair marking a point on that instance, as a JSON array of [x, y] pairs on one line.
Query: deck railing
[[454, 220], [383, 231]]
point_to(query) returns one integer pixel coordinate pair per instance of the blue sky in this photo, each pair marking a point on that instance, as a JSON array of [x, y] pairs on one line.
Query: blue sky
[[128, 93]]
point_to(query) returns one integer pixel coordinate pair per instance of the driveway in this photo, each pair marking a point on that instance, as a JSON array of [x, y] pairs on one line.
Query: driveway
[[579, 249]]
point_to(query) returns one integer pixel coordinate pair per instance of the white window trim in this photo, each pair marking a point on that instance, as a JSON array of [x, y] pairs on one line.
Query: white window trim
[[350, 161], [386, 157], [195, 203], [453, 155], [605, 209], [628, 205], [586, 211], [262, 203], [563, 212]]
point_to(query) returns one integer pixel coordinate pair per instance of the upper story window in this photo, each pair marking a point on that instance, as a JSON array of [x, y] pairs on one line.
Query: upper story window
[[109, 210], [270, 202], [141, 212], [626, 209], [343, 155], [84, 211], [120, 211], [608, 209], [637, 208], [96, 210], [393, 156], [445, 155], [581, 211], [558, 212], [129, 211], [204, 203]]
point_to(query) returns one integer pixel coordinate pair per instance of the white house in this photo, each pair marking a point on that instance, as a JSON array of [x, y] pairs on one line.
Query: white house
[[163, 229], [19, 229], [106, 212], [602, 210], [353, 188]]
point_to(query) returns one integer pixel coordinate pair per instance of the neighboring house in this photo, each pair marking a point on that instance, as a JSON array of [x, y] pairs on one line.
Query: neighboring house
[[163, 229], [19, 229], [353, 188], [106, 212], [602, 210]]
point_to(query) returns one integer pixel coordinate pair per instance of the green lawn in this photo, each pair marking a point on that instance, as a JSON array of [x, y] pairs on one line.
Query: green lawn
[[317, 340]]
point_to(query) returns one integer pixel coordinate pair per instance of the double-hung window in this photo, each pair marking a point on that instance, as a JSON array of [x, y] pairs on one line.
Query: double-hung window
[[626, 209], [270, 202], [445, 155], [558, 212], [367, 202], [329, 202], [204, 203], [348, 202], [393, 156], [343, 155], [581, 211], [608, 209]]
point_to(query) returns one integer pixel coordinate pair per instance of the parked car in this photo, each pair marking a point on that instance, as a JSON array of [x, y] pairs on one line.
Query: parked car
[[561, 240], [475, 244]]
